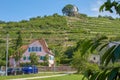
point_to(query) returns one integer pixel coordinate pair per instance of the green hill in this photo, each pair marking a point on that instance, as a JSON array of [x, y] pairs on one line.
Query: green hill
[[60, 31]]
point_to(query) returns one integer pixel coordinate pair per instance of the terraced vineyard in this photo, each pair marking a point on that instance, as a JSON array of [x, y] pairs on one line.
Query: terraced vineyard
[[60, 31]]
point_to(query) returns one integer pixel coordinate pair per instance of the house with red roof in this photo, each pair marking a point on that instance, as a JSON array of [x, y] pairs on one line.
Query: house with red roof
[[39, 47]]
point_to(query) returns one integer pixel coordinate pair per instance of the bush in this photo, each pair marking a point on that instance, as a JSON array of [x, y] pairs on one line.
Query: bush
[[24, 64], [2, 63]]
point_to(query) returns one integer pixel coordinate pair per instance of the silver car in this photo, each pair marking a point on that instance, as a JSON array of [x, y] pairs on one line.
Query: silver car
[[2, 73]]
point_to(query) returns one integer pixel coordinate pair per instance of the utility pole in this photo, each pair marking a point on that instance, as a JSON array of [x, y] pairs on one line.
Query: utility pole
[[7, 39]]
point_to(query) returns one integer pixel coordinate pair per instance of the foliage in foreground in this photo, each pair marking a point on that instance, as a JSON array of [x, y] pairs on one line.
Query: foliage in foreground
[[111, 55], [109, 5]]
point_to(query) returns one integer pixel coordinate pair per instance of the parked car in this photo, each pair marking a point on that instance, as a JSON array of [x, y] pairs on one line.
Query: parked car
[[2, 73], [29, 69], [13, 71]]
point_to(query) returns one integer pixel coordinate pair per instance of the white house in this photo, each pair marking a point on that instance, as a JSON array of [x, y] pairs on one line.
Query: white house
[[39, 47]]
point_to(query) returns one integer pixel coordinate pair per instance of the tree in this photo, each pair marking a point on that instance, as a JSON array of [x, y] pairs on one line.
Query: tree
[[45, 59], [18, 41], [18, 50], [34, 58], [78, 61], [69, 52], [69, 10], [111, 5], [109, 56], [2, 22], [2, 53]]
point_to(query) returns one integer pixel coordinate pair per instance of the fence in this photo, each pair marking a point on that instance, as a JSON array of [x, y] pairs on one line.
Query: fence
[[56, 69]]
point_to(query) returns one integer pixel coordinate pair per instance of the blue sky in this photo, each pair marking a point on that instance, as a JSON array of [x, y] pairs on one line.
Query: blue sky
[[16, 10]]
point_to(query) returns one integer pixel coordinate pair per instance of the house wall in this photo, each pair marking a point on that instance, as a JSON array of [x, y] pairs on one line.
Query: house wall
[[94, 58], [51, 60], [38, 53]]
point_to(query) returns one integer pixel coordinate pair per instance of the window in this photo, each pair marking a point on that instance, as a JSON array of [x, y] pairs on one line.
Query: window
[[39, 48], [29, 49], [24, 58], [28, 57], [34, 49], [51, 58], [42, 57]]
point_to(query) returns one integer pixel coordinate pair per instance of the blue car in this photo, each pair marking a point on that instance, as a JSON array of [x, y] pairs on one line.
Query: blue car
[[29, 69]]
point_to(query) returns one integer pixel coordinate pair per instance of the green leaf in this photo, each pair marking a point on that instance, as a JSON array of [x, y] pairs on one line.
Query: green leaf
[[118, 9], [103, 46], [101, 8], [113, 74], [86, 46], [94, 46], [116, 53], [102, 75], [106, 54], [87, 74], [111, 55], [94, 76], [97, 43], [102, 38]]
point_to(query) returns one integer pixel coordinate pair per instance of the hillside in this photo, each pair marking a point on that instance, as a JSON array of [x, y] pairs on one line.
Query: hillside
[[60, 31]]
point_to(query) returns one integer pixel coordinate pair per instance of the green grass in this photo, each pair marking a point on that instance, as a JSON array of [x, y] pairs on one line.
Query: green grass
[[66, 77], [26, 75], [60, 30]]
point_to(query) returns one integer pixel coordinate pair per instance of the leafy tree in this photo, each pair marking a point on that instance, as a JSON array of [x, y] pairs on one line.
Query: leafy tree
[[2, 22], [59, 55], [68, 10], [78, 61], [80, 56], [69, 52], [45, 59], [111, 5], [34, 58], [2, 52], [2, 55], [18, 50], [110, 55], [18, 41]]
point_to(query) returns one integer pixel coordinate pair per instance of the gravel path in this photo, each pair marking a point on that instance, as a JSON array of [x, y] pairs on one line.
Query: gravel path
[[29, 78]]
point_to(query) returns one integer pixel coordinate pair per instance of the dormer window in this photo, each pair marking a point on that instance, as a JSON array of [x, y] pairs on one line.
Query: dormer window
[[34, 49]]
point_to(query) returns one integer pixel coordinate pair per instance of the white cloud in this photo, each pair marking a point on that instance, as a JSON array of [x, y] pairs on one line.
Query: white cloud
[[95, 10], [99, 2], [96, 5]]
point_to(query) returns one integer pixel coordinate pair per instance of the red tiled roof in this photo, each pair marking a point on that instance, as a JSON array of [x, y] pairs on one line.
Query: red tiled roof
[[24, 47]]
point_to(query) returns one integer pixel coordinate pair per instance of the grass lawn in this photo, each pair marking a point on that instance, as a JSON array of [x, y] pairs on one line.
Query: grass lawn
[[66, 77], [26, 75]]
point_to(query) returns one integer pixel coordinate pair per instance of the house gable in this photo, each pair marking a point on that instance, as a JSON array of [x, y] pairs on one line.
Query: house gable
[[37, 46]]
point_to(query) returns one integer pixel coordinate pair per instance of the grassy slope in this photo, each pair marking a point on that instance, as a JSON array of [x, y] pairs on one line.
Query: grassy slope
[[61, 31]]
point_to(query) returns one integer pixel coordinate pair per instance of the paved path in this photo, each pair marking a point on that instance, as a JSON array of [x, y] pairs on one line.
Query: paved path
[[39, 77]]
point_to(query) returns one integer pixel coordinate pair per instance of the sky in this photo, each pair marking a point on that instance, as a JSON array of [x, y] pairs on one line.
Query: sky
[[17, 10]]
